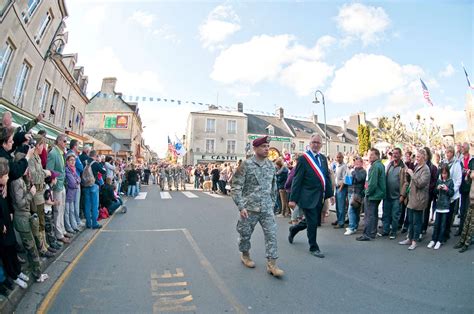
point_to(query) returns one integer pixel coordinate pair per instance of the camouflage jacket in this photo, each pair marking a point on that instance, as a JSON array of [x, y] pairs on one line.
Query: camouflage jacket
[[37, 178], [254, 186]]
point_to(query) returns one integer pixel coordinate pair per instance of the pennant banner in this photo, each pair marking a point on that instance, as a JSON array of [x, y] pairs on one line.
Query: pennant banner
[[179, 102]]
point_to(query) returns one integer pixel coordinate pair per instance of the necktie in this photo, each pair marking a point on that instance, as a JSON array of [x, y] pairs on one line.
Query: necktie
[[318, 162]]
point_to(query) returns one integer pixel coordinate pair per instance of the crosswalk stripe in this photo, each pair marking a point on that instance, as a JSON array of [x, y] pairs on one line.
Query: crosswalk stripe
[[165, 195], [141, 196], [190, 195], [214, 195]]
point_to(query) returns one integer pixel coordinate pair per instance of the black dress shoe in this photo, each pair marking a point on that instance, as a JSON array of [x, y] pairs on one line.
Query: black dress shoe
[[291, 236], [334, 223], [363, 238], [317, 253]]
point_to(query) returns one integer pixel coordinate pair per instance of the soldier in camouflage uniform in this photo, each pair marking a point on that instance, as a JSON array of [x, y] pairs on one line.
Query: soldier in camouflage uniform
[[183, 176], [37, 176], [22, 198], [176, 176], [169, 176], [162, 174], [254, 191]]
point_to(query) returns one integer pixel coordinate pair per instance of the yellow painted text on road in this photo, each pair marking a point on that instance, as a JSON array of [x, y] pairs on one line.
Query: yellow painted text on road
[[170, 292]]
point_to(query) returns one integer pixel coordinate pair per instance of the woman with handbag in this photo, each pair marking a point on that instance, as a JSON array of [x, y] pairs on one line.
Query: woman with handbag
[[357, 195]]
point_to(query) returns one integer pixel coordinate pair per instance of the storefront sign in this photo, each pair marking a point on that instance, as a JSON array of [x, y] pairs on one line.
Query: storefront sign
[[116, 122], [274, 138], [220, 157]]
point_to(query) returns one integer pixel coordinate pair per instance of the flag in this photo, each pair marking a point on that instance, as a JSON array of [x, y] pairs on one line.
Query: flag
[[170, 146], [180, 150], [467, 78], [426, 93]]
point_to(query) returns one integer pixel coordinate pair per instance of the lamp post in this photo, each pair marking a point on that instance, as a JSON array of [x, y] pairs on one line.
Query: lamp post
[[316, 101]]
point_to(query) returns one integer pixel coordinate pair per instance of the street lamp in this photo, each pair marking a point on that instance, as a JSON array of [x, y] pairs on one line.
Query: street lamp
[[316, 101]]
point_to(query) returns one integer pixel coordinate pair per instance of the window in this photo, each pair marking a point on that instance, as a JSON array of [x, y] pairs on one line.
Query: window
[[210, 125], [301, 146], [271, 130], [210, 146], [54, 103], [231, 126], [344, 148], [5, 58], [44, 96], [21, 83], [337, 149], [43, 27], [72, 116], [3, 6], [32, 6], [62, 112], [286, 146], [350, 149], [231, 147]]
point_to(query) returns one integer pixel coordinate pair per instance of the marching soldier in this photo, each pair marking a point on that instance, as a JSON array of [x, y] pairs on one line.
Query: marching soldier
[[162, 174], [169, 177], [184, 176], [176, 176], [254, 193]]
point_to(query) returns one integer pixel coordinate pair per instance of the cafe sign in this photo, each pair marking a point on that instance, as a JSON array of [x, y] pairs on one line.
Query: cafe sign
[[273, 138]]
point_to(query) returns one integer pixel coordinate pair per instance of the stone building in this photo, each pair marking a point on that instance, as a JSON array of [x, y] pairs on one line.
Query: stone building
[[215, 135], [35, 77], [110, 119]]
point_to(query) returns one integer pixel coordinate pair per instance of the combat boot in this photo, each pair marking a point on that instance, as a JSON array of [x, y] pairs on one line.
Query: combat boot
[[246, 260], [273, 269]]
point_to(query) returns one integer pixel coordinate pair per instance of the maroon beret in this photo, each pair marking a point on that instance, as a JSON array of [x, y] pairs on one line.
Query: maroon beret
[[261, 140]]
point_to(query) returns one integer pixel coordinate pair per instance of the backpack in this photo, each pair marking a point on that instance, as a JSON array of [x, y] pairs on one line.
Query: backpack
[[87, 177]]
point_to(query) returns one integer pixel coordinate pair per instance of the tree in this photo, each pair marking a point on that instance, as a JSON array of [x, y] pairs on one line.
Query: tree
[[425, 133], [363, 134], [390, 130]]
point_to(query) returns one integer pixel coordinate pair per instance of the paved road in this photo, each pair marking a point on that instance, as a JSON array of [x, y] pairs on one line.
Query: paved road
[[178, 252]]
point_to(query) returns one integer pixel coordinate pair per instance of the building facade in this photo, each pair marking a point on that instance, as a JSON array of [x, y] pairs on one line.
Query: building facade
[[215, 136], [35, 76], [207, 136], [110, 119]]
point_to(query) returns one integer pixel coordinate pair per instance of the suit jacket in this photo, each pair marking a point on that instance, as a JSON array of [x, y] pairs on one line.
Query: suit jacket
[[57, 163], [306, 189]]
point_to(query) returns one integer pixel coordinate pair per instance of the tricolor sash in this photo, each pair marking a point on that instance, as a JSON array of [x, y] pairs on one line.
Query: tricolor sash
[[312, 162]]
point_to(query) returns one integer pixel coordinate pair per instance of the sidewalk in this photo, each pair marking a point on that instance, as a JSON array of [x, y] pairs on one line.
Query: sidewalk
[[54, 267]]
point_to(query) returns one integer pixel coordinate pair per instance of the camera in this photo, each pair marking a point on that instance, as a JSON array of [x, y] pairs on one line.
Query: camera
[[32, 142]]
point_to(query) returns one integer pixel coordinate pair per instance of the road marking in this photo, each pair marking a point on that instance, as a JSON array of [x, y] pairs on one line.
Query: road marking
[[141, 196], [213, 274], [190, 195], [170, 300], [165, 195], [53, 292], [214, 195]]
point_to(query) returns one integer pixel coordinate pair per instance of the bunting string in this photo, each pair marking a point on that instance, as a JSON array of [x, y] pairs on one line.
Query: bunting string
[[130, 98]]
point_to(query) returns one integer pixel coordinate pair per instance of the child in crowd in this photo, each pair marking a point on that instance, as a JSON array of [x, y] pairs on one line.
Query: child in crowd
[[445, 190], [48, 210]]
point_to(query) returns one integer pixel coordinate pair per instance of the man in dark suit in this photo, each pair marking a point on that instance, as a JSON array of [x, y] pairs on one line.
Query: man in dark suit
[[311, 186]]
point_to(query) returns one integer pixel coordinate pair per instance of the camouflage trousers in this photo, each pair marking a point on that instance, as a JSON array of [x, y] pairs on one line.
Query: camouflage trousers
[[183, 184], [22, 223], [170, 182], [48, 228], [176, 183], [245, 229], [468, 229], [162, 183]]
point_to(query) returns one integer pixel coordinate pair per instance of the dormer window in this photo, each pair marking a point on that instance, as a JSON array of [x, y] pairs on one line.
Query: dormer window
[[270, 130], [342, 137]]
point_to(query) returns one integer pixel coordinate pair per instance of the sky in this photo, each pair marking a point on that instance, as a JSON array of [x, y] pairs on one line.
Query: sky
[[364, 56]]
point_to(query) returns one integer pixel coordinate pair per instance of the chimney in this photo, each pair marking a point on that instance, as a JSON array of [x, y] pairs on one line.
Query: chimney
[[240, 107], [314, 118], [344, 125], [280, 113], [108, 85]]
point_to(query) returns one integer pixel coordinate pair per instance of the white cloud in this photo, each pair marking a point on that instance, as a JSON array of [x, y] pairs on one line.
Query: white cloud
[[267, 58], [366, 23], [366, 76], [219, 25], [166, 32], [106, 63], [305, 76], [95, 16], [142, 18], [448, 71]]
